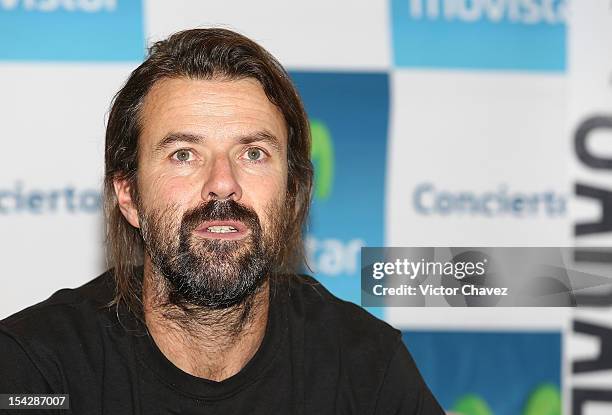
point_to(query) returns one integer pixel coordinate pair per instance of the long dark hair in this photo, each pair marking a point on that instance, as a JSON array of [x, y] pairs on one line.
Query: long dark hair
[[199, 54]]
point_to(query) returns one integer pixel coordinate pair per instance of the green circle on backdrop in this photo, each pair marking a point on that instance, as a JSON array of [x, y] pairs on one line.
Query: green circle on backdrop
[[472, 405], [544, 400]]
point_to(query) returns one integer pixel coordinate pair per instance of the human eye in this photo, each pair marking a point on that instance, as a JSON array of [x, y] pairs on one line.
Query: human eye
[[254, 155], [183, 156]]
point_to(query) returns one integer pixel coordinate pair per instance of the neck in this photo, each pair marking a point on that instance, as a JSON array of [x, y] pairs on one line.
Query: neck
[[209, 343]]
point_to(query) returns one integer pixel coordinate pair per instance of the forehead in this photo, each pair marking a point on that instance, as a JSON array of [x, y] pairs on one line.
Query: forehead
[[215, 108]]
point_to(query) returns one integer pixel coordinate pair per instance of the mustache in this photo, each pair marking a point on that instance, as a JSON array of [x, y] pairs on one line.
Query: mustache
[[219, 210]]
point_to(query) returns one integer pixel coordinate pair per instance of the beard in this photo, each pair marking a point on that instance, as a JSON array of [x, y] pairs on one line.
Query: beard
[[210, 273]]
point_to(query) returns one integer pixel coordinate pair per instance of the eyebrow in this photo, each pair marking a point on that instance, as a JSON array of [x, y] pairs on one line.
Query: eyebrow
[[259, 136], [172, 138]]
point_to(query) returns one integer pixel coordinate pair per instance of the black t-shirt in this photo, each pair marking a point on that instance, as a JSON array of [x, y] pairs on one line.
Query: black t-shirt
[[319, 355]]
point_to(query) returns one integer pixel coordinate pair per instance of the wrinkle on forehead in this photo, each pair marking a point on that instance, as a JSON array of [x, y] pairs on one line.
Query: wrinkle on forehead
[[218, 106]]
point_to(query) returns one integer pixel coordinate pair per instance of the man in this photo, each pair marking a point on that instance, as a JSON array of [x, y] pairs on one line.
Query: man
[[207, 187]]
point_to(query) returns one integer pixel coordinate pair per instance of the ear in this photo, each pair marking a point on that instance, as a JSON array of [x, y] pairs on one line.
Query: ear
[[125, 201]]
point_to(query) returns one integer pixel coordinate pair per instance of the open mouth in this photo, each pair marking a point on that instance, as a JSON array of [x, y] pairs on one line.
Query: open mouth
[[230, 230]]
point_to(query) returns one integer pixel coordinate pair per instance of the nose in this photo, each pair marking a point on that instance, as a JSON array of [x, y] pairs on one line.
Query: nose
[[221, 182]]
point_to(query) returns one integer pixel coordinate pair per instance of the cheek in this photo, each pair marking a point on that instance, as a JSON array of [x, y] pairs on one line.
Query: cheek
[[165, 190], [265, 196], [261, 190]]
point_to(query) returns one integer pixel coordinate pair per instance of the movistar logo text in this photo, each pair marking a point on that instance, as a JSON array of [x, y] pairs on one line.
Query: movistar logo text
[[88, 6], [513, 11]]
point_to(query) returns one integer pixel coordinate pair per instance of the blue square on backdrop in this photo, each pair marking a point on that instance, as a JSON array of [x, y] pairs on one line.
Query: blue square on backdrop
[[71, 30], [469, 34], [485, 373], [349, 115]]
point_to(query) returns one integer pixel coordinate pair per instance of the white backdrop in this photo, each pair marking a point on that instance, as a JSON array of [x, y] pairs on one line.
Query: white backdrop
[[456, 131]]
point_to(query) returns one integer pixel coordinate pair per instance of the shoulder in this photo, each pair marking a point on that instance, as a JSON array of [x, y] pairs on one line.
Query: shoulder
[[61, 331], [67, 321], [348, 323], [367, 356], [65, 308]]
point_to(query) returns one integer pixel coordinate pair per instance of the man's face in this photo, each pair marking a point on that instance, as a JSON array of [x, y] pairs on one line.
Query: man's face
[[212, 178]]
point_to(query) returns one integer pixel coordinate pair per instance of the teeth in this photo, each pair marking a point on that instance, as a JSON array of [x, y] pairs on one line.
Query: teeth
[[222, 229]]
